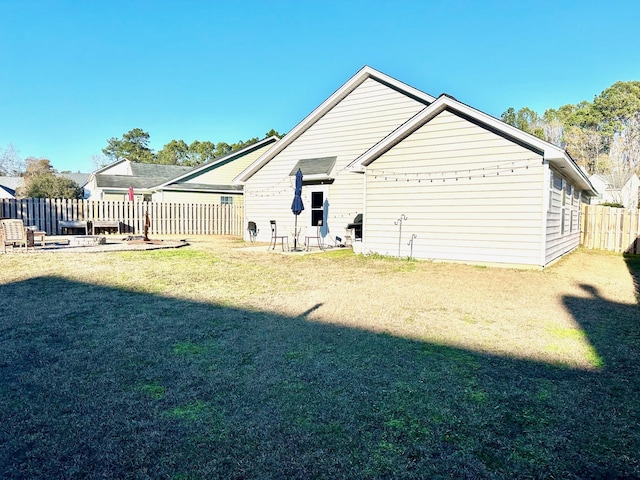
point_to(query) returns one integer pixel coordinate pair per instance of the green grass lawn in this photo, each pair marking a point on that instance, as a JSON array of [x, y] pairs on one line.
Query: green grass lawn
[[210, 362]]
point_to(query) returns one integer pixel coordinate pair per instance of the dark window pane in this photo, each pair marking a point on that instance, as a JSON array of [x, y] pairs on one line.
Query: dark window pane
[[316, 199], [316, 216]]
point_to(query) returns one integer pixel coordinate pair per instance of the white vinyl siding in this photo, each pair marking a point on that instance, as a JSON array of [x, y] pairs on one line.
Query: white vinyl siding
[[196, 197], [453, 180], [360, 120], [563, 218]]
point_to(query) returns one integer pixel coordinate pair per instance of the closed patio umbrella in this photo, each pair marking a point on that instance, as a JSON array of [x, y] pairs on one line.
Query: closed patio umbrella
[[297, 206], [131, 197]]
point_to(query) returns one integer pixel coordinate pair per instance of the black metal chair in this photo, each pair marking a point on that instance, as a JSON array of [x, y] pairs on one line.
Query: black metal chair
[[317, 237], [275, 237], [253, 231]]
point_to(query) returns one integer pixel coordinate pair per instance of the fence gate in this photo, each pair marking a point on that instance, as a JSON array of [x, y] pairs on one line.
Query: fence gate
[[609, 228]]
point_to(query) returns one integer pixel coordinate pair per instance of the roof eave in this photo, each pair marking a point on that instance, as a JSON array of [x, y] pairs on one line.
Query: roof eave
[[555, 155], [358, 79]]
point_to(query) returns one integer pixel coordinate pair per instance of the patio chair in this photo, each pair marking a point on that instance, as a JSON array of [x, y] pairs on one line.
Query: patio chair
[[317, 237], [275, 237], [253, 231], [13, 232]]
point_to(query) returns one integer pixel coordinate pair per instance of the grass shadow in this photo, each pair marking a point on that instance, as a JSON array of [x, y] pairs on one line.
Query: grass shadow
[[633, 264], [100, 382]]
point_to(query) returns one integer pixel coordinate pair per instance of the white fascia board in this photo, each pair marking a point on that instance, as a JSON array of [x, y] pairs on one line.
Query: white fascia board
[[354, 82]]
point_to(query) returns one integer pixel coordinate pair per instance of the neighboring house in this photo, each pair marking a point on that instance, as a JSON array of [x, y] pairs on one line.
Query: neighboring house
[[11, 184], [459, 184], [112, 182], [623, 189], [212, 182], [80, 178], [6, 192]]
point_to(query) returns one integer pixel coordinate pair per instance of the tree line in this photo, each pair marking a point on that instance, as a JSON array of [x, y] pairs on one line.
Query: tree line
[[603, 136], [134, 146], [41, 180]]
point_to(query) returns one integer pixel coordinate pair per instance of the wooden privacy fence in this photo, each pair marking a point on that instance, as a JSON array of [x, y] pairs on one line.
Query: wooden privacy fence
[[608, 228], [166, 218]]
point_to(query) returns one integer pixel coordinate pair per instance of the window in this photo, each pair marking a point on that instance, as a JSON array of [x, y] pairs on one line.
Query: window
[[550, 188], [563, 192], [571, 221], [226, 200], [317, 203]]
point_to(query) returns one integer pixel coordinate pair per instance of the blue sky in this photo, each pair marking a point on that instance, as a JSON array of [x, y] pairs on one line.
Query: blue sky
[[75, 73]]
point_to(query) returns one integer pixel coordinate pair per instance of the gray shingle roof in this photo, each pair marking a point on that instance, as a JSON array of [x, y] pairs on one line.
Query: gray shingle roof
[[11, 182], [126, 181], [144, 175], [157, 170], [79, 178], [315, 166]]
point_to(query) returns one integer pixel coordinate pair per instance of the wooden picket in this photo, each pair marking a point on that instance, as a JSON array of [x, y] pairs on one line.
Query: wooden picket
[[612, 229], [165, 218]]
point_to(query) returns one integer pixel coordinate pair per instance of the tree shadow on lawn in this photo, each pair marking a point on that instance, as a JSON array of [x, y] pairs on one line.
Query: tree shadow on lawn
[[99, 382]]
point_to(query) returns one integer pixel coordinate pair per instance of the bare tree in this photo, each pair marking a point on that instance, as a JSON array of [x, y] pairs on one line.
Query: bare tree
[[99, 161], [10, 162], [625, 147]]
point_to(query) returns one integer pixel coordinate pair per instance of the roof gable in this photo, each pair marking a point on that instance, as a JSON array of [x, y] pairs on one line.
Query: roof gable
[[6, 192], [112, 165], [219, 162], [354, 82], [550, 152]]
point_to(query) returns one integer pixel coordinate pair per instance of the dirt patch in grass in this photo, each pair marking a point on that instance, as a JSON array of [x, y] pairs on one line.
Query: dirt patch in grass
[[213, 362]]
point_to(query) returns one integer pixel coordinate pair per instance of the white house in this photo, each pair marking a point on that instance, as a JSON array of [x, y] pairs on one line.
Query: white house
[[8, 186], [432, 177], [617, 188]]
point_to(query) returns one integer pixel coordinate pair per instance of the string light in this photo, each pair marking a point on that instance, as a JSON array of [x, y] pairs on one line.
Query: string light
[[285, 186], [496, 170]]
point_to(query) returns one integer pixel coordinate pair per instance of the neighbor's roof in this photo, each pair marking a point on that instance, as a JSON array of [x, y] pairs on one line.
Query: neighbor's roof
[[614, 181], [157, 170], [554, 155], [126, 181], [80, 178], [14, 182], [354, 82], [10, 191], [144, 175], [202, 187], [11, 182]]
